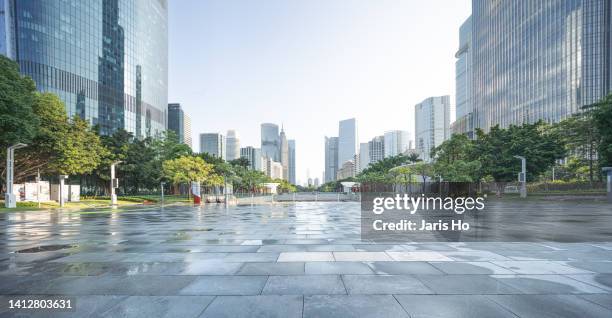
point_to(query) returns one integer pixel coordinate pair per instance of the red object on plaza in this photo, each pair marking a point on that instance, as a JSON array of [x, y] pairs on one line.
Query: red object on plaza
[[195, 191]]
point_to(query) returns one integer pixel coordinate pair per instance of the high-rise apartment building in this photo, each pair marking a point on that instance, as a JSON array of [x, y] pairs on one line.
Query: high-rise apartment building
[[284, 154], [346, 171], [270, 143], [364, 156], [213, 144], [331, 158], [432, 119], [292, 178], [107, 60], [253, 155], [376, 149], [232, 145], [464, 120], [180, 123], [396, 142], [538, 60], [273, 169], [348, 141]]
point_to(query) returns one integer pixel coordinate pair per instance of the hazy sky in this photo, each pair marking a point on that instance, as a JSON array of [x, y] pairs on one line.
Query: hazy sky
[[308, 64]]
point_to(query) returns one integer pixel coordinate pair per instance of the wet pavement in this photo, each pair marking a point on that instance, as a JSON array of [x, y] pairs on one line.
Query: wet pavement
[[292, 260]]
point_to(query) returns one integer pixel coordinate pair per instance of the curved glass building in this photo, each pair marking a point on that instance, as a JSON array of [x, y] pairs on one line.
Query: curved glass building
[[106, 59]]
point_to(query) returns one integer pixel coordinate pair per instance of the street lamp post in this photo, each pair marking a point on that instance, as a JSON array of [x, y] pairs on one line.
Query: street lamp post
[[62, 177], [608, 171], [522, 177], [114, 183], [10, 201], [162, 192]]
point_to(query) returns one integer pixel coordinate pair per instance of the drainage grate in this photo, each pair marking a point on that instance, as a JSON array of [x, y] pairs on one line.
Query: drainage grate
[[46, 248]]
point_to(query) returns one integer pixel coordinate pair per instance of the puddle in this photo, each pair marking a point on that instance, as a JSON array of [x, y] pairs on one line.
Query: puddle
[[46, 248]]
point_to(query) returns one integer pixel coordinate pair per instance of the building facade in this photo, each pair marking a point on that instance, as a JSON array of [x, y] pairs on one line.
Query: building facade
[[232, 145], [213, 144], [364, 156], [270, 143], [331, 158], [376, 149], [432, 120], [464, 123], [284, 154], [538, 60], [107, 60], [348, 141], [292, 177], [346, 171], [273, 169], [180, 123], [396, 142], [253, 155]]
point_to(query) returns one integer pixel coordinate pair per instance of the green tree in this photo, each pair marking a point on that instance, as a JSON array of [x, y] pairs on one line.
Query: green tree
[[18, 123], [240, 162], [602, 120], [80, 151], [186, 169], [284, 186], [61, 145], [423, 169], [455, 160], [539, 144], [581, 138]]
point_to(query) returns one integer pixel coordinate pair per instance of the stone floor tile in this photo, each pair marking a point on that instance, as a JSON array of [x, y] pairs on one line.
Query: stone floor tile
[[358, 306], [225, 285], [384, 284], [273, 306], [547, 284], [451, 306], [418, 256], [160, 306], [550, 306], [306, 257], [405, 268], [470, 268], [326, 268], [304, 285], [280, 268], [466, 284]]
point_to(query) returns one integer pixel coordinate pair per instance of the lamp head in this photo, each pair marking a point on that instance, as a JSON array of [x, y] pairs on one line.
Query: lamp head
[[18, 146]]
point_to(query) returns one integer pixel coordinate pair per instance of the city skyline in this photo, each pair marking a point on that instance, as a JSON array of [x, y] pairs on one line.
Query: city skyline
[[305, 65]]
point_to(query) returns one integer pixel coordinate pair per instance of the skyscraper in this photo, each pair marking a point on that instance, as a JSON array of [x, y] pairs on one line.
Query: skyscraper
[[270, 143], [538, 60], [213, 144], [284, 154], [254, 157], [348, 140], [107, 60], [179, 123], [396, 142], [364, 156], [463, 82], [432, 117], [232, 145], [292, 179], [331, 158], [376, 149]]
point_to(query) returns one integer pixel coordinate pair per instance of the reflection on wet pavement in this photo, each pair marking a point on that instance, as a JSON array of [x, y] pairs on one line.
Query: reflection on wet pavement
[[292, 260]]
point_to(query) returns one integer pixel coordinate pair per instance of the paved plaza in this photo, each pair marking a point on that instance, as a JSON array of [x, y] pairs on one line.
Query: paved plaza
[[295, 260]]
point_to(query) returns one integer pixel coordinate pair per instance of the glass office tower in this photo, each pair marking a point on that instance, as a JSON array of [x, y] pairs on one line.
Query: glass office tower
[[537, 59], [106, 59]]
